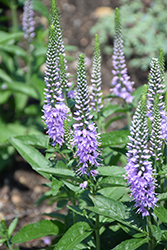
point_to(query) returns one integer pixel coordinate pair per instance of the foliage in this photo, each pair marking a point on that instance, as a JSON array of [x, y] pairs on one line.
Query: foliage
[[144, 30]]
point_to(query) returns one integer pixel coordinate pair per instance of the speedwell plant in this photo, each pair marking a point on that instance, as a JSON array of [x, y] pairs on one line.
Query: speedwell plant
[[113, 184]]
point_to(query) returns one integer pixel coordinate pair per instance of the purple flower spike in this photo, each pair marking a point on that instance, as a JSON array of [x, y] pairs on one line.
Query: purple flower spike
[[55, 111], [85, 135], [86, 141], [139, 169], [122, 86], [54, 118], [28, 20]]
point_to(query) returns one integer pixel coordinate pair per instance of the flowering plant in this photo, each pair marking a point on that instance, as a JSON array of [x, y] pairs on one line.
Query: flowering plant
[[113, 183]]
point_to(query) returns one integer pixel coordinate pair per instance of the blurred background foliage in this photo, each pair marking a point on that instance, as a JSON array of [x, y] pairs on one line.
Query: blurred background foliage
[[22, 67], [144, 30]]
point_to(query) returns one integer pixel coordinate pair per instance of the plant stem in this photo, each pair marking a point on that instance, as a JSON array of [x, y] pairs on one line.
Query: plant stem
[[13, 7], [93, 190], [74, 214], [29, 66], [97, 233], [151, 243]]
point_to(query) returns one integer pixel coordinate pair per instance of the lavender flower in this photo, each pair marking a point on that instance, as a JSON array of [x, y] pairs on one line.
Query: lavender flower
[[54, 119], [139, 169], [85, 135], [28, 20], [84, 185], [55, 111], [122, 86], [96, 97]]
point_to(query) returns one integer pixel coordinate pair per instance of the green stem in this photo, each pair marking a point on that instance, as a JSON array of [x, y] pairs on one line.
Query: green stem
[[29, 66], [74, 214], [97, 233], [93, 190], [13, 7], [151, 243]]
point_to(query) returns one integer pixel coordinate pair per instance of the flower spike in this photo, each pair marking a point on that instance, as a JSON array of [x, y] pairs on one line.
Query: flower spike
[[96, 98], [85, 134], [139, 167], [55, 111], [28, 20], [122, 86]]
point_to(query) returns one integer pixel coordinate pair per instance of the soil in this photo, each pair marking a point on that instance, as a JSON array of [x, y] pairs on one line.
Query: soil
[[20, 186]]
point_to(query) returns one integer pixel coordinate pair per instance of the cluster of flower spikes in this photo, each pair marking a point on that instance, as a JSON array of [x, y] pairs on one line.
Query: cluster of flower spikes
[[139, 172], [60, 51], [96, 97], [122, 86], [55, 111], [85, 134], [28, 20], [156, 86]]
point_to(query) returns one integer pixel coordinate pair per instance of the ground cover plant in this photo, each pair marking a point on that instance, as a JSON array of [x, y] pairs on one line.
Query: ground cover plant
[[113, 183]]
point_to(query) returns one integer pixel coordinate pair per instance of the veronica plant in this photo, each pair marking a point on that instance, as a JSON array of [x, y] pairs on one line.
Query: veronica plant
[[100, 213]]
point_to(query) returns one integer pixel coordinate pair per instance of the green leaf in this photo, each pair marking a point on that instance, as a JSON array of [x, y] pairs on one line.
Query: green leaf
[[112, 181], [5, 36], [58, 172], [161, 213], [31, 155], [38, 141], [115, 193], [20, 87], [75, 234], [56, 185], [109, 207], [74, 188], [4, 76], [114, 138], [131, 244], [12, 227], [2, 241], [162, 197], [55, 215], [111, 170], [137, 94], [13, 49], [110, 109], [76, 210], [156, 232], [14, 129], [36, 230], [113, 119], [5, 96]]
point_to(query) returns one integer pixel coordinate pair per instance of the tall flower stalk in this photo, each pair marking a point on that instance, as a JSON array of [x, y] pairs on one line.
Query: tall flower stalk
[[28, 21], [55, 111], [85, 135], [139, 167], [60, 54], [122, 86], [96, 97]]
